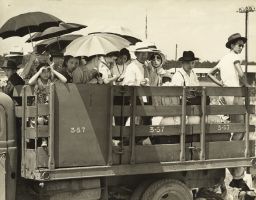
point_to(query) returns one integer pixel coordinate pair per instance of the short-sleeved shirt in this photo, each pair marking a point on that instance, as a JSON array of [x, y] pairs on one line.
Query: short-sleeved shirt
[[181, 78], [134, 73], [228, 72]]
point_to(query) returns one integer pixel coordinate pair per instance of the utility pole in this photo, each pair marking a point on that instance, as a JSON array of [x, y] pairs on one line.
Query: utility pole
[[246, 10], [146, 26], [176, 52]]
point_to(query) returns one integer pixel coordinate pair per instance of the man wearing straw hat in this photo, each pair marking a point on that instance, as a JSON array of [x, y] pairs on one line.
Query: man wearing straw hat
[[10, 69], [136, 71]]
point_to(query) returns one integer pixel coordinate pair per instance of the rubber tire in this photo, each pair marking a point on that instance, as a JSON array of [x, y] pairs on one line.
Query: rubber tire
[[160, 187], [140, 189]]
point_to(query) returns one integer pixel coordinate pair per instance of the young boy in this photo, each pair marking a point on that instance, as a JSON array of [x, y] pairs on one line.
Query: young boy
[[231, 76]]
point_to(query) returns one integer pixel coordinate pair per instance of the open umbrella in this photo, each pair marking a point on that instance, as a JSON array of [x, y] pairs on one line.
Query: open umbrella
[[27, 23], [55, 44], [96, 44], [62, 29], [120, 31]]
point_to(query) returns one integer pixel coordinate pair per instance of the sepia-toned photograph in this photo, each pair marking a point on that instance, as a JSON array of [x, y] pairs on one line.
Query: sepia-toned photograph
[[127, 100]]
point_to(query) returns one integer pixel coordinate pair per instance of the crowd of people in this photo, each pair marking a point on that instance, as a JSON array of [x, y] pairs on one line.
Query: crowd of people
[[117, 68]]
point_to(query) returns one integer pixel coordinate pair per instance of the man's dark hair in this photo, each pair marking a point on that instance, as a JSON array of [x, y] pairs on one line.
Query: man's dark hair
[[126, 53]]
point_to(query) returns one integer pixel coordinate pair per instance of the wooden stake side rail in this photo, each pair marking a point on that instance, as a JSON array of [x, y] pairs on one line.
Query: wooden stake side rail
[[160, 158]]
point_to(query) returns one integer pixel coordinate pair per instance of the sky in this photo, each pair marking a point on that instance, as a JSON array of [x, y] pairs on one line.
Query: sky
[[202, 26]]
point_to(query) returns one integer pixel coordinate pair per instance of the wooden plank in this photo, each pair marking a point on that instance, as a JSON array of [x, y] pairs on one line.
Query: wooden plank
[[132, 130], [151, 154], [177, 91], [170, 130], [42, 157], [17, 91], [228, 91], [203, 126], [31, 111], [224, 109], [162, 91], [110, 127], [190, 110], [43, 131], [18, 111], [43, 109], [51, 160], [225, 149], [122, 90]]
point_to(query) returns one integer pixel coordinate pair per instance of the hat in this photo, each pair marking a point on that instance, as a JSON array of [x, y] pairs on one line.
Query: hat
[[10, 64], [188, 56], [145, 47], [14, 52], [233, 38]]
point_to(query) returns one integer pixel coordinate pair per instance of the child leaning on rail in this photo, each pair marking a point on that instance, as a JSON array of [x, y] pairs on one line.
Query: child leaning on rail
[[42, 79]]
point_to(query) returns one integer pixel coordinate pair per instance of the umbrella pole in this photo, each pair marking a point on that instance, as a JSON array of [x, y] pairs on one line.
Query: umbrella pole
[[58, 42], [31, 39]]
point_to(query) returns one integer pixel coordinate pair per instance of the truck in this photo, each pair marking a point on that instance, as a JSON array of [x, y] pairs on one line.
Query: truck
[[82, 161]]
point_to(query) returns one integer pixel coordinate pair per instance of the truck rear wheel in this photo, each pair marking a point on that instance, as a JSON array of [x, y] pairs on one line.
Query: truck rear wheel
[[167, 189], [140, 189]]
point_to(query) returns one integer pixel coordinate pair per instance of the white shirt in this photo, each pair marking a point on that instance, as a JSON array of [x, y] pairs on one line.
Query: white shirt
[[181, 78], [134, 74], [106, 73], [228, 72]]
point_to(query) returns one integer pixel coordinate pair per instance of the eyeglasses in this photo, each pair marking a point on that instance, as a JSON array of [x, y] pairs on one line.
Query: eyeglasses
[[155, 57]]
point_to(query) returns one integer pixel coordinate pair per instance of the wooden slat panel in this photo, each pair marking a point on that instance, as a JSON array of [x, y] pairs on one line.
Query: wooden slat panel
[[225, 149], [175, 129], [43, 131], [228, 91], [18, 111]]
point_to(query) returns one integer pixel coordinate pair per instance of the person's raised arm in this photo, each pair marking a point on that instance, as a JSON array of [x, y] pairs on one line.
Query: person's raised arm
[[33, 79], [212, 76], [57, 74]]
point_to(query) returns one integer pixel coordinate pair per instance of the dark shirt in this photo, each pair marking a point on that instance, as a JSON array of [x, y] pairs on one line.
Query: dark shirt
[[14, 80], [67, 75]]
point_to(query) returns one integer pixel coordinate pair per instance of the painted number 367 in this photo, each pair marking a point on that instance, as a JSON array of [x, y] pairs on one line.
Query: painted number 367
[[77, 130]]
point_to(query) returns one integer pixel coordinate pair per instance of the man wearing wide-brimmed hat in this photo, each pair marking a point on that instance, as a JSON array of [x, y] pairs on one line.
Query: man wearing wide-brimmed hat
[[136, 71], [10, 69], [231, 75], [230, 65], [185, 76], [15, 54]]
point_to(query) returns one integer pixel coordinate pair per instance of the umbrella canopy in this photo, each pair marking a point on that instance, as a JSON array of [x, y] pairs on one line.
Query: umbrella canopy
[[62, 29], [24, 24], [120, 31], [56, 44], [96, 44]]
